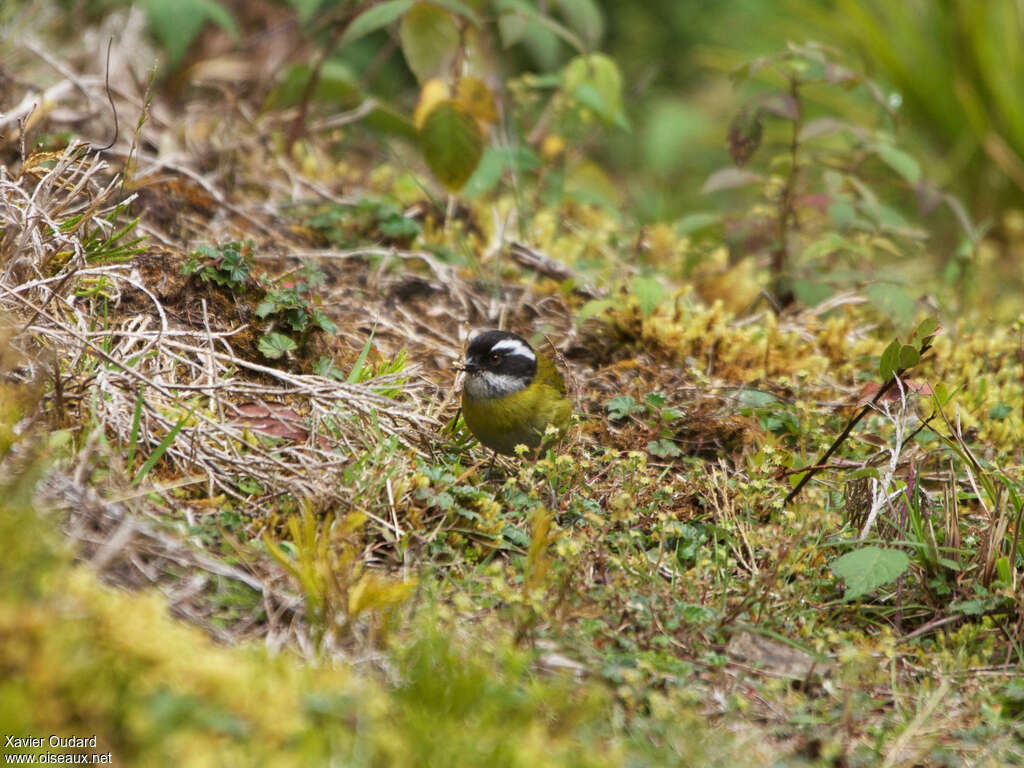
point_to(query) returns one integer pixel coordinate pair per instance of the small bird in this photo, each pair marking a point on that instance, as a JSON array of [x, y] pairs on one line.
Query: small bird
[[511, 394]]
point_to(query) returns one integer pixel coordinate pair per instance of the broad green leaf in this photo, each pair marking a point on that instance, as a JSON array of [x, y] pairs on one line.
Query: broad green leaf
[[905, 165], [927, 328], [494, 163], [274, 345], [176, 24], [452, 143], [890, 361], [909, 356], [585, 18], [430, 40], [649, 293], [374, 18], [866, 569], [597, 74]]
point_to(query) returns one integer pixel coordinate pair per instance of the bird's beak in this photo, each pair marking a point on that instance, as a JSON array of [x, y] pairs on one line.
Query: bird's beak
[[468, 366]]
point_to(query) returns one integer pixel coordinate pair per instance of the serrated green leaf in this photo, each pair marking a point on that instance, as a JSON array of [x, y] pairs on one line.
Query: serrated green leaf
[[274, 345], [325, 323], [866, 569], [374, 18], [622, 406], [664, 449], [452, 143], [430, 40], [655, 399]]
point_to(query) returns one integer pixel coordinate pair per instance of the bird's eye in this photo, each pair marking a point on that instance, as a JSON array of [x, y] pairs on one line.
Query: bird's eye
[[494, 358]]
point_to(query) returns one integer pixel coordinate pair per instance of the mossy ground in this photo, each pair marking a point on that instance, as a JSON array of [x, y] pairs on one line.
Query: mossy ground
[[637, 596]]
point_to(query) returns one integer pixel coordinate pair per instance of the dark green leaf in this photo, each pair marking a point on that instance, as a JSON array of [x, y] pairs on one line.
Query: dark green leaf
[[909, 356], [890, 361], [452, 143]]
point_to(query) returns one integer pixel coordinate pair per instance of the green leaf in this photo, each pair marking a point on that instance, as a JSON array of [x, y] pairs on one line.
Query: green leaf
[[909, 356], [655, 399], [162, 448], [890, 361], [452, 143], [925, 330], [430, 40], [176, 24], [595, 82], [585, 18], [905, 165], [592, 308], [664, 449], [1000, 411], [274, 345], [357, 369], [374, 18], [866, 569], [649, 293], [622, 406], [325, 323]]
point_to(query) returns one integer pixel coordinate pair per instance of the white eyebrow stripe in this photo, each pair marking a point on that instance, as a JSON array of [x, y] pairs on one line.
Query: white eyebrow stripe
[[514, 347]]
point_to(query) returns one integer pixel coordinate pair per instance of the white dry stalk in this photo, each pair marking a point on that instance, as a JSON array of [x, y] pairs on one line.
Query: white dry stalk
[[179, 374], [881, 495]]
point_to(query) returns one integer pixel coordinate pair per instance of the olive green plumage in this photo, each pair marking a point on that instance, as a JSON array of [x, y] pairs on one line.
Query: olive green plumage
[[511, 393]]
